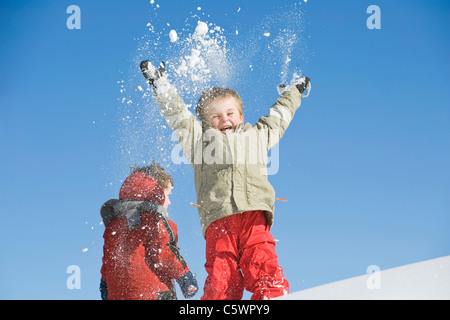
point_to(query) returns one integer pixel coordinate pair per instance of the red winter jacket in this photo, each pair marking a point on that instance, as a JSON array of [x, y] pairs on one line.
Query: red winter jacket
[[141, 257]]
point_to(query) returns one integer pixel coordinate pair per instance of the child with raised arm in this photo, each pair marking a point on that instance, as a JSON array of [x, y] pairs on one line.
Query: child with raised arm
[[235, 198]]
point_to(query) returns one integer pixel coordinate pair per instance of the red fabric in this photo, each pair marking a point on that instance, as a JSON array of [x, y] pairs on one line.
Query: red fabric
[[240, 253], [142, 187], [138, 264]]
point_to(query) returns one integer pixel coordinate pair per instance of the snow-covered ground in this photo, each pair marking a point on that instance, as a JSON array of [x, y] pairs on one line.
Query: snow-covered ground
[[423, 280]]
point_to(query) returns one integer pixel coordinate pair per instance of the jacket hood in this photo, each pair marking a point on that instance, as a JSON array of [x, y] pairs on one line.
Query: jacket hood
[[141, 187]]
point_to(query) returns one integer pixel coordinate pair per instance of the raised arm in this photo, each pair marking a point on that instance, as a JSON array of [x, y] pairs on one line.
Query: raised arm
[[282, 112], [187, 128]]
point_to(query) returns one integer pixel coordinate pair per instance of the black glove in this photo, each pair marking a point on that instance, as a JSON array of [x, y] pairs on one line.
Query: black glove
[[303, 85], [188, 285], [103, 290], [150, 73]]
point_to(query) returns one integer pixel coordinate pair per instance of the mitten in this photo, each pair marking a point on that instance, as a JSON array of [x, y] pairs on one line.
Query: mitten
[[103, 290], [150, 73], [302, 85], [188, 285], [269, 218]]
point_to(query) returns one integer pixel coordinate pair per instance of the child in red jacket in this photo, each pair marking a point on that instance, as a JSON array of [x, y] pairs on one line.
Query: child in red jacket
[[141, 257]]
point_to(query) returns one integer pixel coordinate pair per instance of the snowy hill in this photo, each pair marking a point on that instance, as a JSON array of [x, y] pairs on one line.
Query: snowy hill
[[424, 280]]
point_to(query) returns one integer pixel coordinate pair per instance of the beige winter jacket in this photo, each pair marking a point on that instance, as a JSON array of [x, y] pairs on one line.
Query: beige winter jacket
[[231, 170]]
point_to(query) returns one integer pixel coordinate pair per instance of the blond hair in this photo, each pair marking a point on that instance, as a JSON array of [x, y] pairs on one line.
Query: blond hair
[[216, 93]]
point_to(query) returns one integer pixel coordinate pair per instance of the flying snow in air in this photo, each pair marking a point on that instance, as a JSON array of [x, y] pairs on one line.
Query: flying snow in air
[[173, 36], [201, 29]]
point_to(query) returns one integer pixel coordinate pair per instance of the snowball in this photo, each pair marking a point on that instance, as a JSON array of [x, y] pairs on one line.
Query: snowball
[[201, 29], [173, 36], [266, 34]]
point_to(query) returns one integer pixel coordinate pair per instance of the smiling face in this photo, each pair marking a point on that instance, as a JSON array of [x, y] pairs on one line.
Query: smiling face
[[224, 114]]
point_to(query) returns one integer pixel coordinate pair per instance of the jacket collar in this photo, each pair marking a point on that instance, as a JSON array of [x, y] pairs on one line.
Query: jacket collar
[[131, 209]]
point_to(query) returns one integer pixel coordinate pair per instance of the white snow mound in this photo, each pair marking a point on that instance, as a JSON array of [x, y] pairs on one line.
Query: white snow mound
[[427, 280]]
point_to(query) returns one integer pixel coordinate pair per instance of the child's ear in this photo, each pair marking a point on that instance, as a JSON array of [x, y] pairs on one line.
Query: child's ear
[[242, 119]]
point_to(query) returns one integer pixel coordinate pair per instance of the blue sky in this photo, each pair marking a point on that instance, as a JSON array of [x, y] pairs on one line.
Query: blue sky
[[364, 164]]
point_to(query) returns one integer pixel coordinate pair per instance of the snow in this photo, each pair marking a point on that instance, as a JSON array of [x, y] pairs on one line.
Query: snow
[[427, 280], [173, 36], [200, 54], [201, 29], [296, 79]]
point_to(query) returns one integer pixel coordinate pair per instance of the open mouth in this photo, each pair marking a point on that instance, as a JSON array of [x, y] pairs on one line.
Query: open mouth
[[226, 129]]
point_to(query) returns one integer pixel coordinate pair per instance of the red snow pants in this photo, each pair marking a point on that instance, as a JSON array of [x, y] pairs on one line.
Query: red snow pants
[[240, 253]]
